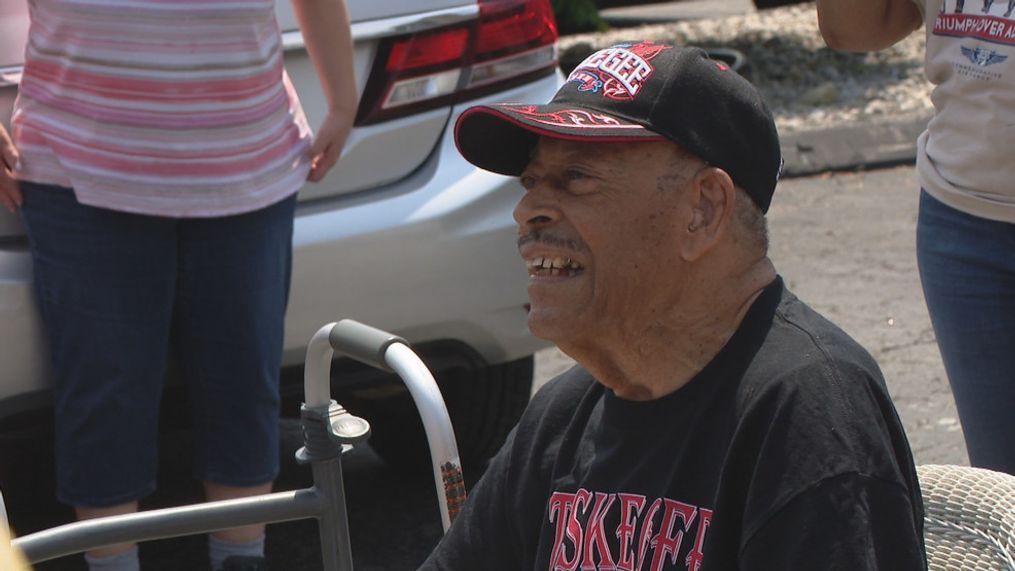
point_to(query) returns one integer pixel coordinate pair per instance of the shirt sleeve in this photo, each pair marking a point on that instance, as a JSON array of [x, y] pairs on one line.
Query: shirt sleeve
[[850, 521], [819, 474]]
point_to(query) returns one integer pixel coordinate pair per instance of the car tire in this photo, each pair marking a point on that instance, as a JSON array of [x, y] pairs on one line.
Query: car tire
[[484, 405], [27, 473], [763, 4]]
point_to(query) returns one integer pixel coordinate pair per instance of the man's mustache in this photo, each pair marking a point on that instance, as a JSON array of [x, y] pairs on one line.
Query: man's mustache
[[549, 239]]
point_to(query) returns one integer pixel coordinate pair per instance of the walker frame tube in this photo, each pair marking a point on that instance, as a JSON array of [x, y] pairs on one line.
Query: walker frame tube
[[328, 430], [385, 351], [170, 522], [446, 464]]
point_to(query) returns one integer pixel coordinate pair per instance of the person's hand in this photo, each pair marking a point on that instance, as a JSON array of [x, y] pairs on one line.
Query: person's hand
[[10, 195], [328, 143]]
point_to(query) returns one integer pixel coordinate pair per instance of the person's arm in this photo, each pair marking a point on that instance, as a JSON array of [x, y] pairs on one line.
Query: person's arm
[[10, 196], [327, 35], [866, 25]]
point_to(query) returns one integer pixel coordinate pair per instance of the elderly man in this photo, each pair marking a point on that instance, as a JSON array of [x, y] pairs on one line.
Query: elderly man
[[714, 420]]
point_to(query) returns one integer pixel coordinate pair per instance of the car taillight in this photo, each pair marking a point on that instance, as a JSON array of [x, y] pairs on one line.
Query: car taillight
[[511, 42]]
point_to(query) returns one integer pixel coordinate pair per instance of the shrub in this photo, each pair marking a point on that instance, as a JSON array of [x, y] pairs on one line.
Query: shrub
[[576, 16]]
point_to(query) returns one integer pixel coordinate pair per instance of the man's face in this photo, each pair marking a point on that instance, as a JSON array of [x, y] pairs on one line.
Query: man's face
[[599, 229]]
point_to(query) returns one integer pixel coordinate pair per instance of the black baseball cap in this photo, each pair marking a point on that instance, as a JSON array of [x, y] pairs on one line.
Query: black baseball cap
[[639, 91]]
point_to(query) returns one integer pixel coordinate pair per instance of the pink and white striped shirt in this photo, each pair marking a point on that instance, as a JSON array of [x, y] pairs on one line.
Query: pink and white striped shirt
[[175, 108]]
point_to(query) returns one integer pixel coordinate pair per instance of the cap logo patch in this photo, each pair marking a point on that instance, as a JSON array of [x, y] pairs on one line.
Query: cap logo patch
[[617, 72]]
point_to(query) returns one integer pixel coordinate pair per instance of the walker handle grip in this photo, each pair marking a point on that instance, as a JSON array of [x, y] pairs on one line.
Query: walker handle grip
[[363, 343]]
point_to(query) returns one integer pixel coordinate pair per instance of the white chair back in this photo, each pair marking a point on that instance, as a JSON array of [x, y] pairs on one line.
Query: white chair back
[[969, 520]]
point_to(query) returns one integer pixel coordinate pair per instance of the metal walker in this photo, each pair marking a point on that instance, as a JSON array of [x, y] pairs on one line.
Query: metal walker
[[328, 431]]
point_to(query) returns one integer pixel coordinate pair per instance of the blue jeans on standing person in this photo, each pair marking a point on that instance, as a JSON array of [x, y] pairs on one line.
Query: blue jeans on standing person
[[967, 267], [116, 291]]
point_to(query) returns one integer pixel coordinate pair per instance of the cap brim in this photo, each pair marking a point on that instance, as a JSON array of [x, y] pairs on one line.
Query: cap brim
[[500, 138]]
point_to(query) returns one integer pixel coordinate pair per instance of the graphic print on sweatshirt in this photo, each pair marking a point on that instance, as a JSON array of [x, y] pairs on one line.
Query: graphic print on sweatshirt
[[599, 531], [988, 31]]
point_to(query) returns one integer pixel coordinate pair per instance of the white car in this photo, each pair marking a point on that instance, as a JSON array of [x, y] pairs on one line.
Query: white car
[[404, 234]]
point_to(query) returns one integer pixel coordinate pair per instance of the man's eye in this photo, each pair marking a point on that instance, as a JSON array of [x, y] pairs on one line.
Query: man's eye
[[527, 181], [579, 182]]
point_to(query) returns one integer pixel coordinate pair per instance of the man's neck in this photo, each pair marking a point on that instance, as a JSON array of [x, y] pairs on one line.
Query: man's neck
[[668, 352]]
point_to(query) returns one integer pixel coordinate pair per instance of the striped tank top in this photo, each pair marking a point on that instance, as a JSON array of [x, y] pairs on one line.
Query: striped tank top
[[176, 108]]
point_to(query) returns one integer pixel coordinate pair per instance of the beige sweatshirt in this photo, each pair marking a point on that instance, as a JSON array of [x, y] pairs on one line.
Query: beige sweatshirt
[[966, 157]]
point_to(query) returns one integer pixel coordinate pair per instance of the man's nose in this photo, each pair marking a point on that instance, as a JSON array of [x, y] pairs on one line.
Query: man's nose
[[535, 209]]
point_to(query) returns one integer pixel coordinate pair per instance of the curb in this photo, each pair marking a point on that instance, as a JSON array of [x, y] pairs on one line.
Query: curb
[[667, 12], [852, 147]]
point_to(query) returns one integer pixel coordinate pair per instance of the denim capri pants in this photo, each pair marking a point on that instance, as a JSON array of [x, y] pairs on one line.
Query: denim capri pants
[[116, 291]]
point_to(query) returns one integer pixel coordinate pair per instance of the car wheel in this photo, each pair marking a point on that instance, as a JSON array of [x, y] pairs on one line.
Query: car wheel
[[27, 473], [483, 404], [763, 4]]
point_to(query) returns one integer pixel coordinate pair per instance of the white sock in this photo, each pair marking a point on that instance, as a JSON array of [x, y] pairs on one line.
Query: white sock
[[218, 550], [126, 561]]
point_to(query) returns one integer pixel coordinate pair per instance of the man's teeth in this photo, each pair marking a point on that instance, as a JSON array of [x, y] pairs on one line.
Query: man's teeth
[[555, 265]]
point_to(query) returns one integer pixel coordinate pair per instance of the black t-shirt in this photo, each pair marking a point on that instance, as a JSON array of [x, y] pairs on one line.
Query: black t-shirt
[[785, 452]]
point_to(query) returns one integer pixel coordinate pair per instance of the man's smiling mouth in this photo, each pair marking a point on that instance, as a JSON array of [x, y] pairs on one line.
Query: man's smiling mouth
[[558, 266]]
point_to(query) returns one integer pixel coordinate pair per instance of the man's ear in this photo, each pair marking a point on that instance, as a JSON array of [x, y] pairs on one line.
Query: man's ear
[[713, 199]]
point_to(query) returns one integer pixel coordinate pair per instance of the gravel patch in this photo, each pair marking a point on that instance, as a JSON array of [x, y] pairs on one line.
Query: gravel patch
[[806, 84]]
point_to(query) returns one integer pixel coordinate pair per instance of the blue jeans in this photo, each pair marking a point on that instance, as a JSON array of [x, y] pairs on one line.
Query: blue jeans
[[116, 291], [967, 267]]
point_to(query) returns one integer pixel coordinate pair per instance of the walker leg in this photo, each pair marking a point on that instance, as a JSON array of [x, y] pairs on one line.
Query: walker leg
[[333, 525]]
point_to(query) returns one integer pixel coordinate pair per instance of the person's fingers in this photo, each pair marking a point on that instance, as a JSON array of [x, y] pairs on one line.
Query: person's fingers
[[317, 150], [315, 160], [10, 200], [318, 145], [8, 152], [10, 194], [326, 148], [9, 155], [315, 174], [324, 163]]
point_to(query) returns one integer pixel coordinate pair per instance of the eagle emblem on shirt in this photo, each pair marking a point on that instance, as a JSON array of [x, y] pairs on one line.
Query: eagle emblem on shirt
[[983, 57]]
